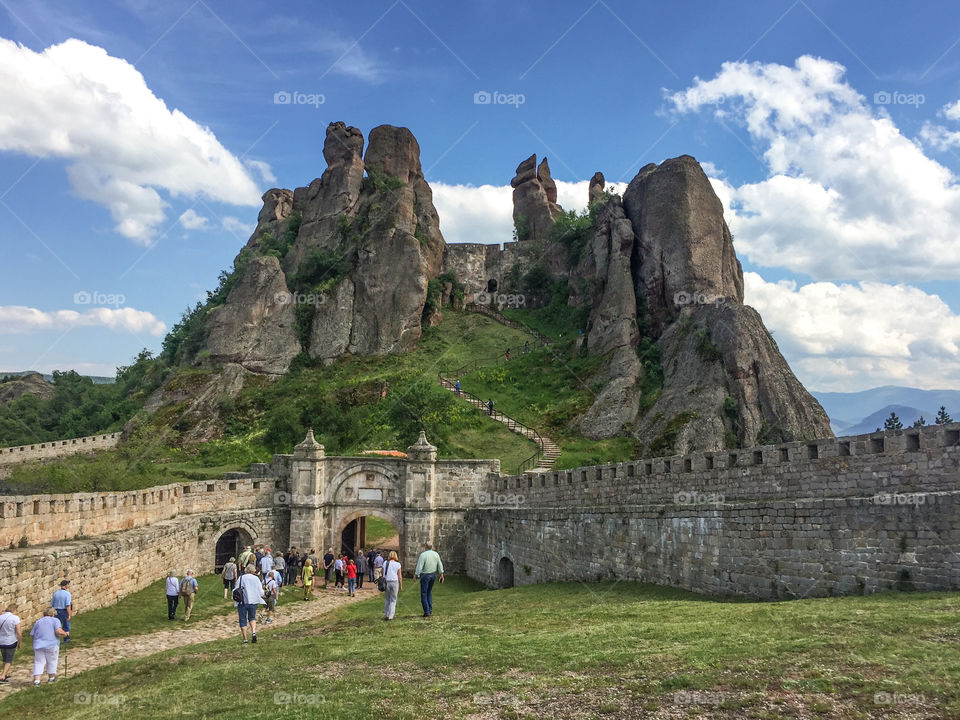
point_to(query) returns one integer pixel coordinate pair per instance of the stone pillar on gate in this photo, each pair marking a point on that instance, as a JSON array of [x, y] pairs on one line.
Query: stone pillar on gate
[[307, 490], [419, 499]]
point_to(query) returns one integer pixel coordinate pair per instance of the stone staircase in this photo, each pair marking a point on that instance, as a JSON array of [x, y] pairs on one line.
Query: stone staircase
[[547, 452]]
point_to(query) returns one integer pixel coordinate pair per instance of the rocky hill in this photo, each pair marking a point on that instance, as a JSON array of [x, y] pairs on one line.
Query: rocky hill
[[27, 384], [355, 264]]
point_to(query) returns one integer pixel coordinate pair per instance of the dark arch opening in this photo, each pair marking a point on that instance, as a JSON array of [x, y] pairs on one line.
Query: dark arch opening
[[491, 285], [505, 572], [231, 544], [370, 533]]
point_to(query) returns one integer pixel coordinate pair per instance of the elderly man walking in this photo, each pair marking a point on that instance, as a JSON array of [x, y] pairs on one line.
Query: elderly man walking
[[62, 602], [188, 591], [429, 568]]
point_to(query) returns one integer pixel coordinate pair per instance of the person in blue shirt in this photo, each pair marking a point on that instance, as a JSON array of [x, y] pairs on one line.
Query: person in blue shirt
[[63, 603], [188, 591], [46, 646]]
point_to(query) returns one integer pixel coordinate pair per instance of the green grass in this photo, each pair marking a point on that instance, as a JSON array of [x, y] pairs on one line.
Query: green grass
[[555, 650], [378, 530]]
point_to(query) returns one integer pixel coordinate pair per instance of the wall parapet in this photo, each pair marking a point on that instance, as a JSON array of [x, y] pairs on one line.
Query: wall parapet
[[51, 449]]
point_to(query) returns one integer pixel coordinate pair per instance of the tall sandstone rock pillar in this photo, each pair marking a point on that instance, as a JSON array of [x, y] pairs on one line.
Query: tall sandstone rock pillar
[[307, 490]]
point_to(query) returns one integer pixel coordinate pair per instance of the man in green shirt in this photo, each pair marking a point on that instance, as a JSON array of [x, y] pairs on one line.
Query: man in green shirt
[[429, 566]]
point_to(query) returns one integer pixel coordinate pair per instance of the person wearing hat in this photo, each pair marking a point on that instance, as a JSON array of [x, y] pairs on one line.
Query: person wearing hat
[[63, 603]]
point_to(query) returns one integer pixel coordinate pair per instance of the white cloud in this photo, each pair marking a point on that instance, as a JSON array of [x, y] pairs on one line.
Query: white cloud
[[237, 226], [847, 195], [192, 220], [484, 214], [21, 319], [262, 169], [76, 102], [851, 337]]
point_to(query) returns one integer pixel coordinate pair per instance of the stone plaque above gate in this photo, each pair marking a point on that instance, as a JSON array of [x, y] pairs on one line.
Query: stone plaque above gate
[[369, 494]]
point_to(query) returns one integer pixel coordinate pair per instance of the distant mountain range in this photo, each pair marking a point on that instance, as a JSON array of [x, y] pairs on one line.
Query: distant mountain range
[[861, 412], [98, 379]]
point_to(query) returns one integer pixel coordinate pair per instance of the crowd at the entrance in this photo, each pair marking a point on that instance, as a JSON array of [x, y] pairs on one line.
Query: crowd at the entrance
[[254, 581]]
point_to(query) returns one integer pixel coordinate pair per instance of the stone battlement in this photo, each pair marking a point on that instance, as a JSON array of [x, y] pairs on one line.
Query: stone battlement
[[52, 449]]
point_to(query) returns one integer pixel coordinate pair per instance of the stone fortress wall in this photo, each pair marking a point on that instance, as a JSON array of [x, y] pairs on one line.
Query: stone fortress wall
[[825, 517], [10, 456]]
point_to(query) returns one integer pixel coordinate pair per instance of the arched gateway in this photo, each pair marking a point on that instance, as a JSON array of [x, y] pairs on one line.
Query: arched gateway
[[425, 499]]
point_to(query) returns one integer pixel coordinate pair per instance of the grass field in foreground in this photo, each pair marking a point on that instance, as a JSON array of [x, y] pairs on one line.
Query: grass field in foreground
[[566, 650]]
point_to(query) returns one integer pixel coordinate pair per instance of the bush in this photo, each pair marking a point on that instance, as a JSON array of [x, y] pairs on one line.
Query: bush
[[574, 231]]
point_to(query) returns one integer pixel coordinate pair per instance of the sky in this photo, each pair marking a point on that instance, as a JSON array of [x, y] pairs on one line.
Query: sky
[[136, 138]]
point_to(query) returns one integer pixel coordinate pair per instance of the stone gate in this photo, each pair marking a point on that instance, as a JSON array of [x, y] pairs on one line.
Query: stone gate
[[425, 499]]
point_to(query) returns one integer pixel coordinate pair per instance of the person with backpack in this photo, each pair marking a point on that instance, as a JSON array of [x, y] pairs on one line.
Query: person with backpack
[[173, 595], [306, 577], [229, 575], [271, 593], [248, 596], [244, 558], [188, 591]]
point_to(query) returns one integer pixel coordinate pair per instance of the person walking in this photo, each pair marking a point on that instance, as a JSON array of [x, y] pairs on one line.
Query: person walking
[[328, 560], [229, 575], [252, 592], [280, 567], [429, 569], [266, 565], [457, 387], [63, 603], [271, 593], [508, 354], [351, 578], [245, 557], [188, 591], [10, 639], [361, 568], [490, 407], [173, 595], [391, 573], [46, 645], [306, 577], [371, 556], [338, 566], [377, 567]]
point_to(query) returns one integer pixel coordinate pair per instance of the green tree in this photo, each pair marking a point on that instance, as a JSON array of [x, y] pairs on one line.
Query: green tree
[[892, 422], [943, 417], [920, 423]]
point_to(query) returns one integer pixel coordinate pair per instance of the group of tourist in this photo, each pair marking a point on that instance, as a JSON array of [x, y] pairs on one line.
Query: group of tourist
[[46, 632]]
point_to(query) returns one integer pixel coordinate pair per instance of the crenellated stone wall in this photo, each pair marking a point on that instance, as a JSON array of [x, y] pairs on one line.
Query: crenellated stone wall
[[836, 516], [11, 456]]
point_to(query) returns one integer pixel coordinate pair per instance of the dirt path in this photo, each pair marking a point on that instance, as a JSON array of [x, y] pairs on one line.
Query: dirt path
[[180, 634]]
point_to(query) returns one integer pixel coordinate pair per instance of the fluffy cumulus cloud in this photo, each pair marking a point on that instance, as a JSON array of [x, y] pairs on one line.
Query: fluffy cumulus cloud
[[854, 336], [484, 214], [847, 195], [192, 220], [20, 319], [124, 145]]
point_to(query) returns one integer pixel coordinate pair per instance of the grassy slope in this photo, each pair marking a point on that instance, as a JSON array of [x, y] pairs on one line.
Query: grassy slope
[[378, 530], [603, 650]]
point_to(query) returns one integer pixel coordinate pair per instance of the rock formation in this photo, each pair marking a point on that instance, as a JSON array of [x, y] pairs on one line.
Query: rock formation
[[595, 189], [534, 200], [29, 384]]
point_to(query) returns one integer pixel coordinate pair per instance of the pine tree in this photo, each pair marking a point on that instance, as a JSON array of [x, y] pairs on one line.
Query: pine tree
[[920, 423], [893, 422], [943, 417]]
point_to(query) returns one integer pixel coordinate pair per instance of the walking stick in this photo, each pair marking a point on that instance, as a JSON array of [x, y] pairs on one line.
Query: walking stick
[[66, 669]]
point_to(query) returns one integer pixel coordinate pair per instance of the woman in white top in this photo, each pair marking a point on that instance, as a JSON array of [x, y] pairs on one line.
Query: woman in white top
[[391, 573], [10, 638]]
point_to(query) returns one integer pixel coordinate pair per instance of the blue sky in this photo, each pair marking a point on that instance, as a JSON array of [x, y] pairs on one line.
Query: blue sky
[[136, 137]]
